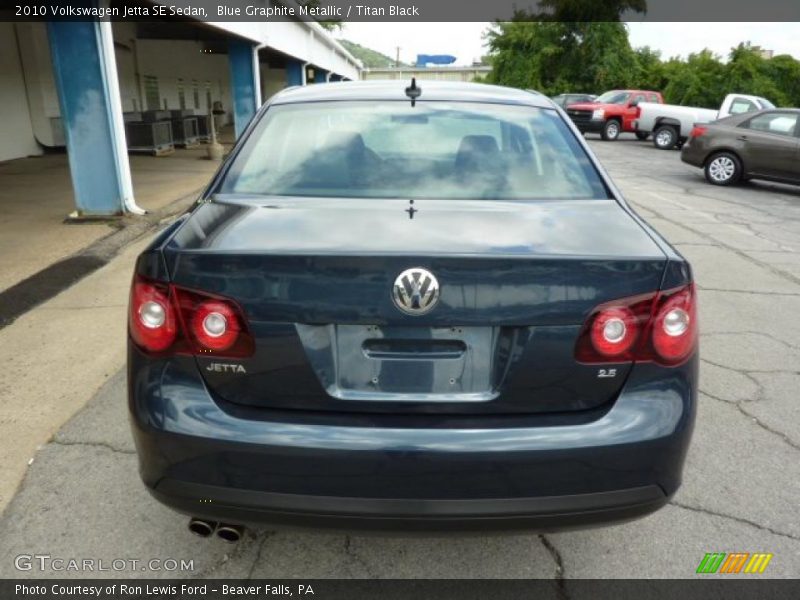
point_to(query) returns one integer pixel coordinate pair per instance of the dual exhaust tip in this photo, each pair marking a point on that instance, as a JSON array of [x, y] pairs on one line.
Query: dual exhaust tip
[[224, 531]]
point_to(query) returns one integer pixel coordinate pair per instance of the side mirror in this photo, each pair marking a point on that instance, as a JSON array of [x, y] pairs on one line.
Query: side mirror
[[634, 103]]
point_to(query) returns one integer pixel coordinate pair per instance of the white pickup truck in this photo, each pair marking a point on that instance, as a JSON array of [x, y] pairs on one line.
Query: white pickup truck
[[670, 124]]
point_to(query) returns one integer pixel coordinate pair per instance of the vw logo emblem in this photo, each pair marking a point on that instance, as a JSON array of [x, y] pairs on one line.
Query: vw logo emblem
[[415, 291]]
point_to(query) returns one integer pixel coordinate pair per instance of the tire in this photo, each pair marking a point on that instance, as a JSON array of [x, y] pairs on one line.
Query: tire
[[665, 137], [723, 168], [611, 130], [642, 135]]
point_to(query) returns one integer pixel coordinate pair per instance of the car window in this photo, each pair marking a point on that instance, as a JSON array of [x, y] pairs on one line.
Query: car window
[[652, 97], [742, 105], [435, 150], [638, 98], [778, 123], [614, 97]]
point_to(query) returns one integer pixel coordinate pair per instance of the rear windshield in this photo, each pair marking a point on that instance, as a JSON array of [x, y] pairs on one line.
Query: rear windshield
[[436, 150]]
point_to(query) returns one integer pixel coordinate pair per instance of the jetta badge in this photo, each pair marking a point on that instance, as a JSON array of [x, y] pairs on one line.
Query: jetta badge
[[415, 291]]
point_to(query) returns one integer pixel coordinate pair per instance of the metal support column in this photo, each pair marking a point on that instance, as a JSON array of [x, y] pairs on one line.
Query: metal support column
[[85, 72], [245, 85], [295, 72]]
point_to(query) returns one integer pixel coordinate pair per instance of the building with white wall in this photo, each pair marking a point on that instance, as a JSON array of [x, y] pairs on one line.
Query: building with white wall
[[69, 84], [433, 73]]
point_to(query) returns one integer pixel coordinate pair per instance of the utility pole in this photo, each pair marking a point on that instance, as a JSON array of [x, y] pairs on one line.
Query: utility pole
[[397, 57]]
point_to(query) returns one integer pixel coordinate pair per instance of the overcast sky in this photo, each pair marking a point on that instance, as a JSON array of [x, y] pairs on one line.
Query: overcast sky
[[464, 40]]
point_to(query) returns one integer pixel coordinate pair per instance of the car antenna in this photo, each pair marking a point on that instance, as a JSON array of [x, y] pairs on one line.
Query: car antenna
[[413, 91]]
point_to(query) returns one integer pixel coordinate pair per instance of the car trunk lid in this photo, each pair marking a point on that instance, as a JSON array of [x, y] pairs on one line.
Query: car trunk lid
[[314, 278]]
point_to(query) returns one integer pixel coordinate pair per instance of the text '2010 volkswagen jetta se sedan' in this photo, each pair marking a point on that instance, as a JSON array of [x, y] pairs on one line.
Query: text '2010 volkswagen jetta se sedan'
[[405, 308]]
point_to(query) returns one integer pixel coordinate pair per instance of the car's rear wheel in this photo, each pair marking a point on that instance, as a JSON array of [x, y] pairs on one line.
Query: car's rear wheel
[[665, 137], [723, 168], [642, 135], [611, 130]]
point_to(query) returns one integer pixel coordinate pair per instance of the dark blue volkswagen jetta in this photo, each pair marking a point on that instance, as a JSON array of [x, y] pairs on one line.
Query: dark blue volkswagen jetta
[[405, 308]]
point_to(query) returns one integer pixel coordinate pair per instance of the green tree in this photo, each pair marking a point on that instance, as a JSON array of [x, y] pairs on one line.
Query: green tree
[[698, 81], [574, 11], [747, 72], [581, 46], [526, 54], [605, 59], [568, 45], [650, 73], [784, 71], [556, 56]]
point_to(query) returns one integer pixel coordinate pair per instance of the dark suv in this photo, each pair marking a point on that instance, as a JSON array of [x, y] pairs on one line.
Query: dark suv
[[564, 100], [411, 308]]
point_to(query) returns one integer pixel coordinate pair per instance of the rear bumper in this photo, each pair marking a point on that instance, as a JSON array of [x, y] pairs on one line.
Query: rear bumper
[[694, 154], [295, 510], [247, 465]]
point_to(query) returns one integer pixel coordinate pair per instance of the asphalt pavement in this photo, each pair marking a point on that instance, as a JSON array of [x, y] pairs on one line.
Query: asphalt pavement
[[82, 498]]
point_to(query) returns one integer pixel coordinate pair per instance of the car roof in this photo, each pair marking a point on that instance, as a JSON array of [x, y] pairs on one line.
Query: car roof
[[735, 120], [395, 90], [762, 111]]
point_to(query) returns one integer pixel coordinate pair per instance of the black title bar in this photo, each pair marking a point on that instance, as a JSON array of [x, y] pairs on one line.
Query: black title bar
[[713, 586], [394, 10]]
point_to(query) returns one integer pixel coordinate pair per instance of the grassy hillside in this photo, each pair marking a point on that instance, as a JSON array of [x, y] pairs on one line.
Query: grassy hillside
[[371, 58]]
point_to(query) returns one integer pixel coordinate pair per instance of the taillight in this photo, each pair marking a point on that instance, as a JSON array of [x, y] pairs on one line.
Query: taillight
[[614, 331], [659, 327], [171, 320], [697, 131], [214, 325], [152, 321], [674, 330]]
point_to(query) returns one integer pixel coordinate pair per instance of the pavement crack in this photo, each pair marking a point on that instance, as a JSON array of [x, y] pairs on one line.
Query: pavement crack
[[748, 372], [265, 536], [742, 520], [763, 334], [105, 445], [744, 374], [238, 550], [786, 275], [356, 557], [750, 292], [754, 419], [559, 574]]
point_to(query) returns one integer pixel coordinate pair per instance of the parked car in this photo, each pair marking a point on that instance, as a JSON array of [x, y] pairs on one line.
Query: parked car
[[564, 100], [411, 313], [671, 124], [760, 145], [612, 113]]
